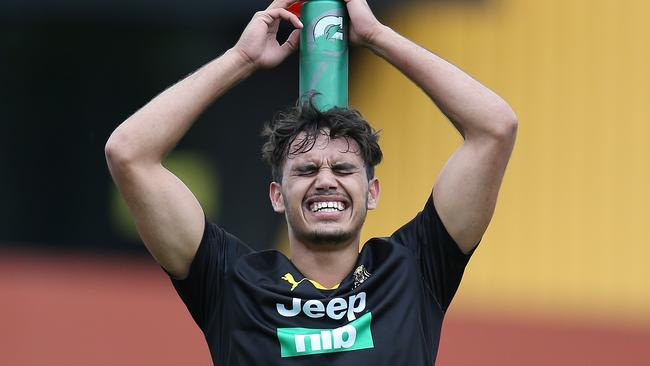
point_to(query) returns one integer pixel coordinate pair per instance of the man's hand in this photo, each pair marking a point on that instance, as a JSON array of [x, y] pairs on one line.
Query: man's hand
[[364, 25], [258, 43]]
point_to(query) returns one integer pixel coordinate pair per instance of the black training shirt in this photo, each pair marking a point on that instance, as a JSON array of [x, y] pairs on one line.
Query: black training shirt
[[255, 308]]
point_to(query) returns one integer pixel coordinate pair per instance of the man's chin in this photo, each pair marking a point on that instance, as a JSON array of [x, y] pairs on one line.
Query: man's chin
[[332, 238]]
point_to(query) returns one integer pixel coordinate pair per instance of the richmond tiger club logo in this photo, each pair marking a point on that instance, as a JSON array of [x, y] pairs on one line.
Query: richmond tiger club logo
[[360, 274]]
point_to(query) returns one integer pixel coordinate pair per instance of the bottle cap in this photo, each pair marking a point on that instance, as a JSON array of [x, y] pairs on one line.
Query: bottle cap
[[295, 7]]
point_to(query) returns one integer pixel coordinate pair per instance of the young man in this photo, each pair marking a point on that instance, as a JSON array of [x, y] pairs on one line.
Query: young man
[[328, 304]]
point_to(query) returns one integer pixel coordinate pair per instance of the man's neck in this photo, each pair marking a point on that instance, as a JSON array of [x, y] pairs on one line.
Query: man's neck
[[326, 265]]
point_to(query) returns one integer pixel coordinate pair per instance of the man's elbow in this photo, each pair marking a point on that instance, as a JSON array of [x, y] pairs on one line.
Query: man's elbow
[[119, 151], [504, 125]]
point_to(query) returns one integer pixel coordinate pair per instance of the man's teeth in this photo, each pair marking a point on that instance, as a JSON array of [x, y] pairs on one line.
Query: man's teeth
[[327, 206]]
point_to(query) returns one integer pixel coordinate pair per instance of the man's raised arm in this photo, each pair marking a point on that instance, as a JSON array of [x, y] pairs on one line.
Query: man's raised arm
[[466, 190], [168, 217]]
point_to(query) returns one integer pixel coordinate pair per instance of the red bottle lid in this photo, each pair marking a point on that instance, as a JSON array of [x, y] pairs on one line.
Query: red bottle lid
[[295, 7]]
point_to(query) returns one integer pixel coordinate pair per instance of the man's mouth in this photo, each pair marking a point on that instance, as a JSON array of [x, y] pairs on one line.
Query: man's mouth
[[332, 206], [329, 206]]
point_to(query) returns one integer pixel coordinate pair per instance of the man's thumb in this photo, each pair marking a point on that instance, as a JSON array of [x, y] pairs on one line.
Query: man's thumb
[[293, 42]]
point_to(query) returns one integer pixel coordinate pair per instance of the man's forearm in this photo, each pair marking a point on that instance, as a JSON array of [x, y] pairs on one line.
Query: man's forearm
[[472, 108], [150, 133]]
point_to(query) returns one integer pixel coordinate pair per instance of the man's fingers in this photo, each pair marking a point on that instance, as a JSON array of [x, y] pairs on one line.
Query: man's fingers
[[292, 42], [283, 4], [286, 15]]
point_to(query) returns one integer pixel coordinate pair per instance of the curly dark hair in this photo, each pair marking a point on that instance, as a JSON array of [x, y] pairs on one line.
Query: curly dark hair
[[281, 132]]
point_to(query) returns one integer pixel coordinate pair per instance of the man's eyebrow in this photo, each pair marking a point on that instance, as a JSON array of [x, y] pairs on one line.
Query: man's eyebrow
[[305, 167], [344, 166]]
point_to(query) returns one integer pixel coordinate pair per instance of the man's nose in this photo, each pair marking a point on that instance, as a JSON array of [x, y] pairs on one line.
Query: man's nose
[[326, 180]]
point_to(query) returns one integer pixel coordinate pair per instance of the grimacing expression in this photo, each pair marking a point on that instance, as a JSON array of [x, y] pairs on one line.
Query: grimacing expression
[[325, 193]]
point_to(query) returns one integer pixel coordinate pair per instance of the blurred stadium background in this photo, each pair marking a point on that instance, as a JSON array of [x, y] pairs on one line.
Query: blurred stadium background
[[561, 276]]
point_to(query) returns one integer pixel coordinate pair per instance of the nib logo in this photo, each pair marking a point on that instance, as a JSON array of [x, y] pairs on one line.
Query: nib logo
[[353, 336]]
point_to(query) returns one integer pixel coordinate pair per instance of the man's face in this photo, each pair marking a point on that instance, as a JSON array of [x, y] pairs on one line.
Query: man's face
[[325, 193]]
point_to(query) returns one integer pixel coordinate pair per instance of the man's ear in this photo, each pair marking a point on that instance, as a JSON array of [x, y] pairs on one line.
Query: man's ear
[[373, 193], [275, 194]]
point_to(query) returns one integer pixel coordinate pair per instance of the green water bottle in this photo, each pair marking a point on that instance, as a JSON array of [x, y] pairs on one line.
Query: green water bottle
[[324, 52]]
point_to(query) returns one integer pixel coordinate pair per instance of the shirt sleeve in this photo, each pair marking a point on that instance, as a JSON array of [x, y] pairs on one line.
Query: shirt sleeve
[[202, 290], [441, 261]]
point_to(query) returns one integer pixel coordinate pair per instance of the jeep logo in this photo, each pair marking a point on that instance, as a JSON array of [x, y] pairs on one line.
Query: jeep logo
[[335, 309]]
